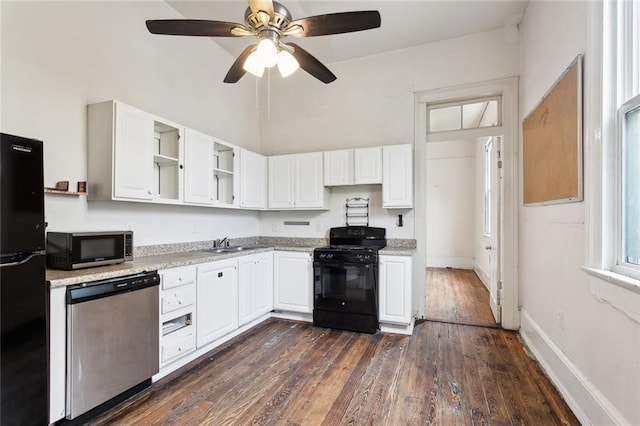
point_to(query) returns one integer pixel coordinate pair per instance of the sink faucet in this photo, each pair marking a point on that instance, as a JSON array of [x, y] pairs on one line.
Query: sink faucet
[[221, 242]]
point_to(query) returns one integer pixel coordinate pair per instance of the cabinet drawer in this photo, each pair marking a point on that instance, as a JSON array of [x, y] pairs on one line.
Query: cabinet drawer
[[177, 298], [178, 276], [177, 344]]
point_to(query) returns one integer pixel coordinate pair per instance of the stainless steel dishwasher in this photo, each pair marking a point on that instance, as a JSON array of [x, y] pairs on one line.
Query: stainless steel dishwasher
[[112, 340]]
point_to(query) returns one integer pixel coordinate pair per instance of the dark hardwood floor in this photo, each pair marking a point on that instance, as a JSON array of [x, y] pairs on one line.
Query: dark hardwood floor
[[291, 373], [457, 296]]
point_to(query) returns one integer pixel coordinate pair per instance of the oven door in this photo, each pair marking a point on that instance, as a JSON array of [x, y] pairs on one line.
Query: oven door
[[346, 287]]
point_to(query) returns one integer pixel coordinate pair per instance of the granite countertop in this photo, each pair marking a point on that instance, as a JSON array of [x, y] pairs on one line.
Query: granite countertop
[[166, 256]]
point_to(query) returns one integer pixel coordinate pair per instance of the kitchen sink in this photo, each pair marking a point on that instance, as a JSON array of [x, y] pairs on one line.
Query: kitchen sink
[[233, 249]]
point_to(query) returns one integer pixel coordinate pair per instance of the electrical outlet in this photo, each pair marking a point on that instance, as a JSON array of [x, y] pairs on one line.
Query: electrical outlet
[[275, 226], [561, 320], [129, 227], [318, 227]]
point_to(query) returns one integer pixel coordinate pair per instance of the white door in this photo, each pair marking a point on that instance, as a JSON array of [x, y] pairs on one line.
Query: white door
[[281, 181], [338, 168], [247, 280], [253, 180], [309, 186], [397, 176], [367, 164], [217, 300], [293, 282], [264, 284], [495, 287], [133, 153], [198, 168]]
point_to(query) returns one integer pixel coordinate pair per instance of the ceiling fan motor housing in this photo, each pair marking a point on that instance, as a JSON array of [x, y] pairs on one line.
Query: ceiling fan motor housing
[[280, 20]]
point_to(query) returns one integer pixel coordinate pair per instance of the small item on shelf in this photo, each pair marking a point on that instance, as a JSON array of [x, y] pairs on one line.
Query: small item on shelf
[[82, 186], [62, 185]]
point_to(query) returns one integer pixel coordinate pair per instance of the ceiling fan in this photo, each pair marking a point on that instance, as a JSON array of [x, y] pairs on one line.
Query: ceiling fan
[[270, 22]]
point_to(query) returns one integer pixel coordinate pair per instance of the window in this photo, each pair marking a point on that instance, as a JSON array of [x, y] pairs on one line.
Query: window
[[465, 115], [627, 139], [488, 147]]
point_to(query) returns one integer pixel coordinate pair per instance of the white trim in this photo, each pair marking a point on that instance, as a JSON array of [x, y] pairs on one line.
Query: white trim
[[585, 400], [508, 245]]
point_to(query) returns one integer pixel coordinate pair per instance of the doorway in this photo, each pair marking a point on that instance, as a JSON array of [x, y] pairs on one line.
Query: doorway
[[462, 217], [502, 250]]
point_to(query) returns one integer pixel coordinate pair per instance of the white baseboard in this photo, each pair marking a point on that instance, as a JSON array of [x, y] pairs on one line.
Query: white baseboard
[[398, 329], [484, 278], [584, 399]]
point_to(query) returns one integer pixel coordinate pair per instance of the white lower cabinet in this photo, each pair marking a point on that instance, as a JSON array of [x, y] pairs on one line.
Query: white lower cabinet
[[177, 313], [255, 286], [395, 289], [293, 281], [217, 295]]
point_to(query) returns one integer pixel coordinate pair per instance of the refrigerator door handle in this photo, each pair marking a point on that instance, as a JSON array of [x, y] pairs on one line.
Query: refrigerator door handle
[[23, 261]]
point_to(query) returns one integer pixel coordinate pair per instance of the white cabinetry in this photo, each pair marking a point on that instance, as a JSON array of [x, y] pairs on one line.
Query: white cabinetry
[[133, 155], [177, 313], [293, 281], [353, 166], [395, 289], [397, 176], [255, 284], [217, 306], [295, 181], [209, 170], [253, 180]]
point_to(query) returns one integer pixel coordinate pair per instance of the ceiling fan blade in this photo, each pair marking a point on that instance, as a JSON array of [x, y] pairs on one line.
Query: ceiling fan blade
[[334, 23], [311, 65], [237, 71], [262, 5], [194, 27]]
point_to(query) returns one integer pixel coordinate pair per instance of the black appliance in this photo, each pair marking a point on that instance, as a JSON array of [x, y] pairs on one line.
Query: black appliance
[[346, 279], [23, 292], [77, 250]]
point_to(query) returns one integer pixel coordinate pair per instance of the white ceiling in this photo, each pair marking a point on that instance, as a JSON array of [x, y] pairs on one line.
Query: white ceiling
[[404, 23]]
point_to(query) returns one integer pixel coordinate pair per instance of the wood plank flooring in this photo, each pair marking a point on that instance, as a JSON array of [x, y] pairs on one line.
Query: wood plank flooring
[[457, 296], [290, 373]]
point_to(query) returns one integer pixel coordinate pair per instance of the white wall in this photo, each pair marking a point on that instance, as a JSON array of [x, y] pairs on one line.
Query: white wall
[[451, 204], [590, 349], [372, 103], [57, 57], [272, 223]]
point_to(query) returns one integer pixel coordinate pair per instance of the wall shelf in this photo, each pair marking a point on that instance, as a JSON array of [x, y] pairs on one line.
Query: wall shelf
[[59, 192]]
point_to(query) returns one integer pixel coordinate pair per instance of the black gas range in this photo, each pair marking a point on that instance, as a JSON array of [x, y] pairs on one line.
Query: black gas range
[[346, 279]]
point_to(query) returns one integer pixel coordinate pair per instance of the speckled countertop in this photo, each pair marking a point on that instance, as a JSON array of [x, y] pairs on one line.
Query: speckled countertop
[[151, 258]]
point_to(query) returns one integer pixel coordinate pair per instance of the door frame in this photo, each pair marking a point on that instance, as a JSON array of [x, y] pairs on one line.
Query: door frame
[[508, 89]]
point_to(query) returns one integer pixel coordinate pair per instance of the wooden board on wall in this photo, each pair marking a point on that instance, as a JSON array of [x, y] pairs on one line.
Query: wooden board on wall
[[552, 143]]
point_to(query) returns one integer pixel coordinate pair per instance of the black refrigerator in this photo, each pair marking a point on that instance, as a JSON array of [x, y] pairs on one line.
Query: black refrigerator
[[23, 291]]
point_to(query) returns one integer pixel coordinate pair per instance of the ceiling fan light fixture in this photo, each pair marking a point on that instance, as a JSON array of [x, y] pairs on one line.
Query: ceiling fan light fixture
[[252, 65], [267, 53], [287, 64]]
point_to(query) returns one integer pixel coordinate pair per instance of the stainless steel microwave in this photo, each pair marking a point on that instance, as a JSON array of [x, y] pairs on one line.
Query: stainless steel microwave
[[77, 250]]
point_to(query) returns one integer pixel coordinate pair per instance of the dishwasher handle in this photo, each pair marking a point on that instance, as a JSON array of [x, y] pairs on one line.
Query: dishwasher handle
[[104, 288]]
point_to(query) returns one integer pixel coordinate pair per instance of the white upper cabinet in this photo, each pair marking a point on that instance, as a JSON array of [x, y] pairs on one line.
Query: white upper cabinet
[[367, 165], [133, 155], [353, 166], [210, 167], [253, 180], [397, 176], [338, 169], [198, 173], [295, 181]]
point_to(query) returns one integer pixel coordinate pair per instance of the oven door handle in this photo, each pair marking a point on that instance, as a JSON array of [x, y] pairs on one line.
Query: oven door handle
[[342, 264]]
